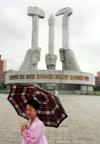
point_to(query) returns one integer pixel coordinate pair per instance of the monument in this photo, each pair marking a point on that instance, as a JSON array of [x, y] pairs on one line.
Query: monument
[[70, 78]]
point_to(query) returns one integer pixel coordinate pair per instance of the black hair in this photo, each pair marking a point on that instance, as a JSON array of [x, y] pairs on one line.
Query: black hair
[[35, 104]]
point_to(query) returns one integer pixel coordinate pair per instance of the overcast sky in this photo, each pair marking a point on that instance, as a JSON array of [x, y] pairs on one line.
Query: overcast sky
[[15, 31]]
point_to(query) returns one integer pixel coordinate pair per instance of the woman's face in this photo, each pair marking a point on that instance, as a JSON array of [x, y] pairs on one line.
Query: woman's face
[[31, 113]]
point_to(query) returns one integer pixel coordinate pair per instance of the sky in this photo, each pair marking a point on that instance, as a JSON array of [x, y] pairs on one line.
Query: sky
[[84, 31]]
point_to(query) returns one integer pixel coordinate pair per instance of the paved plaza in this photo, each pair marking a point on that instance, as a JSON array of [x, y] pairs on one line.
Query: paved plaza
[[81, 127]]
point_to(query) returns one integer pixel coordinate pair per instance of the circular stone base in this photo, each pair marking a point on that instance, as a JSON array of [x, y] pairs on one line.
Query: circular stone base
[[53, 80]]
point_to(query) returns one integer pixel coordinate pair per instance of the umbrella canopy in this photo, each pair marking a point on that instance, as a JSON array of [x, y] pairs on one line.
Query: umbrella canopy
[[51, 112]]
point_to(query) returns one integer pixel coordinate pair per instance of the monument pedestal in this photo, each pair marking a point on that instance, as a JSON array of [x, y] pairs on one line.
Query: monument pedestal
[[54, 80]]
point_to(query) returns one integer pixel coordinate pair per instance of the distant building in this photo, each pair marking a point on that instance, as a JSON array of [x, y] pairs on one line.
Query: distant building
[[2, 70], [97, 79]]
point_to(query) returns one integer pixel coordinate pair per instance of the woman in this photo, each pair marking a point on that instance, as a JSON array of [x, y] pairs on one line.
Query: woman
[[34, 131]]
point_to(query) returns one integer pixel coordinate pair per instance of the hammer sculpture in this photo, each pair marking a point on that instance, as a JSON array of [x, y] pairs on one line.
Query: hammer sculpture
[[33, 55], [35, 13]]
